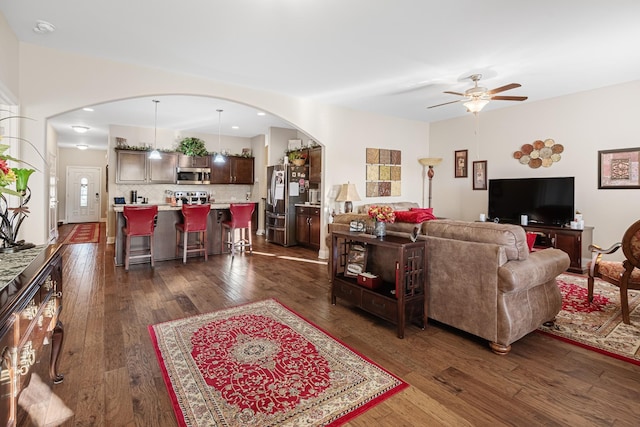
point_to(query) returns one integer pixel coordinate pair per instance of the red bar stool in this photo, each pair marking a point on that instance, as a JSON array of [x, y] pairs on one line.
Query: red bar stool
[[195, 221], [240, 220], [141, 222]]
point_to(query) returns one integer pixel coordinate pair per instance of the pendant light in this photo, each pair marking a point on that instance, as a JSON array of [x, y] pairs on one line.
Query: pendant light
[[155, 154], [219, 158]]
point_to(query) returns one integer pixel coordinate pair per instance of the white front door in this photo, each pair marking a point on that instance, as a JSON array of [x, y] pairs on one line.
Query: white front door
[[83, 194]]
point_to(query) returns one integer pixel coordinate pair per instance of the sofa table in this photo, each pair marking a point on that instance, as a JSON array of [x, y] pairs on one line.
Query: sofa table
[[397, 301]]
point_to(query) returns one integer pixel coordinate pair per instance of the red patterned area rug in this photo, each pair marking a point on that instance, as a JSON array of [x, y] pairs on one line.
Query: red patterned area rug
[[597, 325], [261, 364], [88, 232]]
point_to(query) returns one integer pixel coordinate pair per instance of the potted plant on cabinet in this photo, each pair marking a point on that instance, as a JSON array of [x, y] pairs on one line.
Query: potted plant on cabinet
[[297, 157], [192, 147]]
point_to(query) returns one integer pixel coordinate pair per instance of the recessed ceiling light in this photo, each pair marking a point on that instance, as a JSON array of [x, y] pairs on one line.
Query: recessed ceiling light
[[44, 27], [82, 146], [260, 113], [88, 109], [80, 129], [235, 127]]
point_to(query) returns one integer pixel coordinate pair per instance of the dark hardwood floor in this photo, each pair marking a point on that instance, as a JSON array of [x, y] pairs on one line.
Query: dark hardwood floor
[[112, 377]]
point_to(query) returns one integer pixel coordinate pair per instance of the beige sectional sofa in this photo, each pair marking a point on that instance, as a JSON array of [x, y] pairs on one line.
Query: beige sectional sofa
[[482, 279]]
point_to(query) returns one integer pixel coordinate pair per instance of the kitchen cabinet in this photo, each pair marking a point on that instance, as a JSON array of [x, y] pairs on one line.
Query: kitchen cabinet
[[315, 165], [308, 226], [235, 170], [135, 167], [185, 161], [574, 242]]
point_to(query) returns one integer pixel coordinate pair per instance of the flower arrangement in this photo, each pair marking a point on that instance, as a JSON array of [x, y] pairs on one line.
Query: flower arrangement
[[11, 218], [10, 175], [382, 213]]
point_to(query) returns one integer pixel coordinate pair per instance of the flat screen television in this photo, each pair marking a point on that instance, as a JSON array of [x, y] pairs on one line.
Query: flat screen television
[[546, 201]]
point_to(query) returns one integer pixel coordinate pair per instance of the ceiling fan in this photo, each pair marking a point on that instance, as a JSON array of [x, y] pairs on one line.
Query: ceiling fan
[[477, 97]]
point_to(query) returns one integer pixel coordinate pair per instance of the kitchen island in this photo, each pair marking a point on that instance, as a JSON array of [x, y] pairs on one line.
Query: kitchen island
[[165, 232]]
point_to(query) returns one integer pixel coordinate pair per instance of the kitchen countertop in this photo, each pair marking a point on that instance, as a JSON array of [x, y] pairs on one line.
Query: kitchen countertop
[[169, 207]]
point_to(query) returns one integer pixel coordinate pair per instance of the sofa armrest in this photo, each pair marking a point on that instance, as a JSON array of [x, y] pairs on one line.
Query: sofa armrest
[[541, 267]]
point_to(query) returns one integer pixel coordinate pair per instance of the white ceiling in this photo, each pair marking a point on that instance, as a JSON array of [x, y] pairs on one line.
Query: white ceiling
[[390, 57]]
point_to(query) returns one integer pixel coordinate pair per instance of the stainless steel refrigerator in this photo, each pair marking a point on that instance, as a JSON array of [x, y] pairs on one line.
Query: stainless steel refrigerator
[[287, 185]]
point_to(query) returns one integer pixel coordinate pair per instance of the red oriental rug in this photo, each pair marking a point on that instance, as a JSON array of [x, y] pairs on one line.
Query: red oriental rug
[[597, 325], [261, 364], [88, 232]]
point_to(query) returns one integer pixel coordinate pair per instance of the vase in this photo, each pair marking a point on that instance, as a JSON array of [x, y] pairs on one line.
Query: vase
[[299, 162], [380, 229]]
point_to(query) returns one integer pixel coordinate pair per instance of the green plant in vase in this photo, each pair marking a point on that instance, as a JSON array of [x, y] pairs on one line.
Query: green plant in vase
[[192, 147]]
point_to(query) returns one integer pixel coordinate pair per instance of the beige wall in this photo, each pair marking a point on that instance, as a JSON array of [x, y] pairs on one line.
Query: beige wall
[[9, 60], [583, 123], [74, 157], [53, 82]]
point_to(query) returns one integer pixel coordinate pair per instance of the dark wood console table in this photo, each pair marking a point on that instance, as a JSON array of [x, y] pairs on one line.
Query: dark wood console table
[[30, 331], [399, 300]]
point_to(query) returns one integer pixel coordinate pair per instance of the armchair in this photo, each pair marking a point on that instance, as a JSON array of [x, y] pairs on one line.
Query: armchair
[[625, 275]]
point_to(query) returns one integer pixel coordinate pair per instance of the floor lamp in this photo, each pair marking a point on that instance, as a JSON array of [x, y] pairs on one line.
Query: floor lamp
[[430, 162]]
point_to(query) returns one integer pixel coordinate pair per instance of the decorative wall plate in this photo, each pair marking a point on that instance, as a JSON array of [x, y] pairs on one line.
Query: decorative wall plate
[[539, 153]]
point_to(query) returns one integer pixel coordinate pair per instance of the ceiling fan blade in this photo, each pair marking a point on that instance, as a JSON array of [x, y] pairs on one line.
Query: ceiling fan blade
[[503, 88], [454, 93], [445, 103], [510, 98]]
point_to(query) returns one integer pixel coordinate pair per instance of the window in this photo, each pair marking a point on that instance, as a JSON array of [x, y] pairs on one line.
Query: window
[[84, 188]]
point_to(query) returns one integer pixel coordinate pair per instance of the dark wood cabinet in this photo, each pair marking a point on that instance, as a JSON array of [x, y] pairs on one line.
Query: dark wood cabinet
[[315, 165], [30, 331], [235, 170], [134, 167], [185, 161], [574, 242], [131, 167], [162, 171], [398, 300], [308, 226]]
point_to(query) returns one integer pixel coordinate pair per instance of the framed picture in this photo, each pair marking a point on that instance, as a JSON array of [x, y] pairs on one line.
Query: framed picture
[[460, 166], [356, 261], [295, 144], [619, 168], [480, 175]]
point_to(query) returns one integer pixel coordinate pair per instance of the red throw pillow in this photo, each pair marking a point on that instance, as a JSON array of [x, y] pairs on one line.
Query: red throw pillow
[[429, 210], [531, 240], [414, 216]]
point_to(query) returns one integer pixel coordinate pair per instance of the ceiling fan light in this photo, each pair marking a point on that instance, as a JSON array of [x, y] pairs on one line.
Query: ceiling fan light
[[475, 105], [219, 158], [155, 155]]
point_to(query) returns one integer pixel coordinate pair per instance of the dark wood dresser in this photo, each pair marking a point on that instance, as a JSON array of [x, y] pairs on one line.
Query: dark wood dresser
[[30, 331]]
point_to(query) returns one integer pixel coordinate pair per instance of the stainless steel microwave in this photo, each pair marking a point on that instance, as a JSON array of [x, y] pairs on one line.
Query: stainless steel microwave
[[194, 175]]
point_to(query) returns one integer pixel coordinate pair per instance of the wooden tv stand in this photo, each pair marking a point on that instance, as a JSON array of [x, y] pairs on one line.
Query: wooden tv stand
[[574, 242]]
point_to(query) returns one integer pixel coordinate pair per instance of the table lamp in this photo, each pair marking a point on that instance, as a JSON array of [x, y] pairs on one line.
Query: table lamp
[[430, 162], [348, 194]]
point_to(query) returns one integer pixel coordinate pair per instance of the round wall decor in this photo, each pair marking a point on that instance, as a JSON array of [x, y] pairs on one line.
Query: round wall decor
[[539, 153]]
